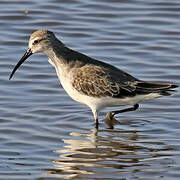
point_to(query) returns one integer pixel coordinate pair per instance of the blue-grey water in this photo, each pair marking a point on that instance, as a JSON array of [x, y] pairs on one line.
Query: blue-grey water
[[44, 135]]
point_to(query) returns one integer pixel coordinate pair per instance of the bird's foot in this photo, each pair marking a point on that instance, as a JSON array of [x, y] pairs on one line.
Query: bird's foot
[[110, 120]]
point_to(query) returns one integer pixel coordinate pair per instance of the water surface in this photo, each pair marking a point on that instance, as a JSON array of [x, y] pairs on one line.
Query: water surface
[[45, 135]]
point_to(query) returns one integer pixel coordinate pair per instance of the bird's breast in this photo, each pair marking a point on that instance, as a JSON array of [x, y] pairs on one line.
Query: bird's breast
[[51, 62], [66, 77]]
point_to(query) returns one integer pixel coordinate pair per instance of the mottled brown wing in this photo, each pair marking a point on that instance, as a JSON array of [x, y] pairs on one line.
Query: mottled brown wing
[[98, 82]]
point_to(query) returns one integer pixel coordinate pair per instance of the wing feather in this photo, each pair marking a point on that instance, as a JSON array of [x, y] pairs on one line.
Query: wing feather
[[98, 81]]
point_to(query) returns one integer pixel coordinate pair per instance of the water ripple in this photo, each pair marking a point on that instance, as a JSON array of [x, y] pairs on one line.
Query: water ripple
[[45, 135]]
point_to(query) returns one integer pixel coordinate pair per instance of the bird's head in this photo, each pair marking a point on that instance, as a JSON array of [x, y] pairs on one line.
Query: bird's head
[[40, 41]]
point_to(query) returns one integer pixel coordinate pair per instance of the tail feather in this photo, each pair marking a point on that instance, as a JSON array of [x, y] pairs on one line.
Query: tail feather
[[160, 87]]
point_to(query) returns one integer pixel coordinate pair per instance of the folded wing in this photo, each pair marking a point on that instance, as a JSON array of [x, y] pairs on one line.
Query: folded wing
[[99, 81]]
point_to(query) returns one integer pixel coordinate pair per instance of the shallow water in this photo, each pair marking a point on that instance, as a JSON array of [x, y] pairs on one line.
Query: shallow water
[[45, 135]]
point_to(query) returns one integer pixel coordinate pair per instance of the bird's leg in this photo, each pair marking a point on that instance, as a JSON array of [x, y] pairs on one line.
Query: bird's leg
[[110, 120], [95, 113], [125, 110], [96, 123]]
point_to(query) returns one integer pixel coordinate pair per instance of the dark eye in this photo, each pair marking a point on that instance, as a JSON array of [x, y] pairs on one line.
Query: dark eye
[[36, 42]]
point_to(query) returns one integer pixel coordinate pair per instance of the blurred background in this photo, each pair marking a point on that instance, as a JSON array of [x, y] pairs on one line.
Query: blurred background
[[45, 135]]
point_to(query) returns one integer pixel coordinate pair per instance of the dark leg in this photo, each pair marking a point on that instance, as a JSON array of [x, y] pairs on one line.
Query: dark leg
[[96, 123], [124, 110], [95, 113], [110, 120]]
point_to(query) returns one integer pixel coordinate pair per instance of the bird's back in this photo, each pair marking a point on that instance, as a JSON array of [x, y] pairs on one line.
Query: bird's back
[[96, 78]]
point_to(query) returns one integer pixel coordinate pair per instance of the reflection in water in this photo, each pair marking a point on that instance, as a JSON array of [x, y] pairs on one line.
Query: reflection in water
[[108, 153]]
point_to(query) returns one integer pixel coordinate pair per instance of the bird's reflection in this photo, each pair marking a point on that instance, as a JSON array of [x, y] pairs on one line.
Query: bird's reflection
[[102, 153]]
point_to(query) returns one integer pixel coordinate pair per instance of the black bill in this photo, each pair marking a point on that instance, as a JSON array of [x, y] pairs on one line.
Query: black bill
[[26, 55]]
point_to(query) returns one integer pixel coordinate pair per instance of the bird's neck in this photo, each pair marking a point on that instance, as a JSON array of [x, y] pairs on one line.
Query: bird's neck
[[64, 57], [57, 52], [60, 57]]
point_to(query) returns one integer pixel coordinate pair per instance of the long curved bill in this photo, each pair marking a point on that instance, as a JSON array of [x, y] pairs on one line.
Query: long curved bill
[[25, 56]]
